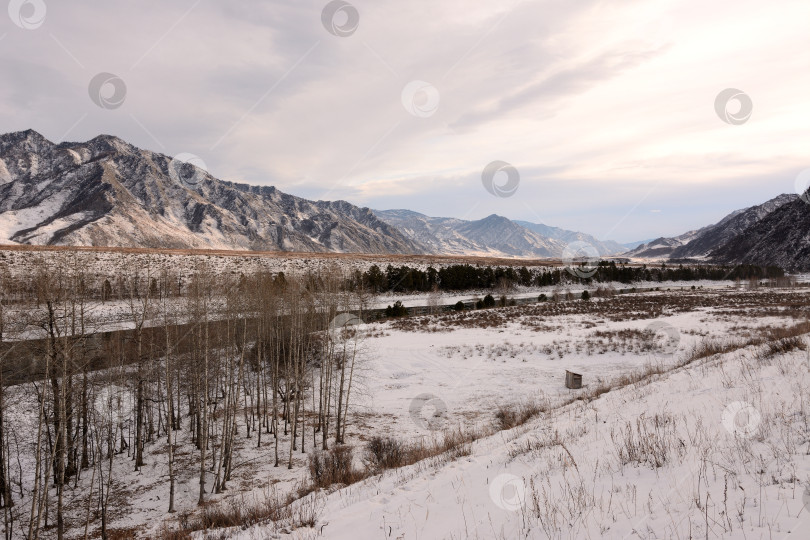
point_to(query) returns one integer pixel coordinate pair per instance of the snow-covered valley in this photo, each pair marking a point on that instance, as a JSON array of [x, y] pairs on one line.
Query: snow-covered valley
[[692, 421]]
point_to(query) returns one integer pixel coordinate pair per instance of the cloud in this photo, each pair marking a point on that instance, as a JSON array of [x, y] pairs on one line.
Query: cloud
[[605, 108], [563, 84]]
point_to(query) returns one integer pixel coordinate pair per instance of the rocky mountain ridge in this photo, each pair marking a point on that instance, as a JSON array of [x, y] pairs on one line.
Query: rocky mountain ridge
[[106, 192]]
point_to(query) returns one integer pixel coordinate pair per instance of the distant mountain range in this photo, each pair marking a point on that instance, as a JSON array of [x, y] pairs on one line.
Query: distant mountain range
[[492, 236], [604, 247], [634, 245], [661, 247], [106, 192]]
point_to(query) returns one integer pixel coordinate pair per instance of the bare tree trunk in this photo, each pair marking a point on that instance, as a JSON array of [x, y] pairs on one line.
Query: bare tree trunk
[[139, 303], [170, 422], [33, 526], [5, 485], [204, 394]]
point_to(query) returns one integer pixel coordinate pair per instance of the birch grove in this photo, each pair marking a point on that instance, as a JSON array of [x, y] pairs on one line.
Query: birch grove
[[201, 365]]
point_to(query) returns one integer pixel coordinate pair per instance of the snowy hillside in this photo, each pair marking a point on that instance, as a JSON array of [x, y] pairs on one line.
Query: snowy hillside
[[692, 419], [717, 448]]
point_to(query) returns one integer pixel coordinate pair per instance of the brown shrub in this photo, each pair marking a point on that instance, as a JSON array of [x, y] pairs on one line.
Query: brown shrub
[[333, 466], [239, 513], [385, 453]]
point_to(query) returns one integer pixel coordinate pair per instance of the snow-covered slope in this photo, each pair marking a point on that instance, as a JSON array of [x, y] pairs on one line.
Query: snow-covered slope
[[713, 450], [106, 192]]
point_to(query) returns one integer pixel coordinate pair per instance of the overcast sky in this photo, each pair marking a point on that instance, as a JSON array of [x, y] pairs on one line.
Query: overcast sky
[[606, 109]]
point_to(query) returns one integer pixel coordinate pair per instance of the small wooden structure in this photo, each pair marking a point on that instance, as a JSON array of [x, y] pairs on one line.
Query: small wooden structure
[[573, 380]]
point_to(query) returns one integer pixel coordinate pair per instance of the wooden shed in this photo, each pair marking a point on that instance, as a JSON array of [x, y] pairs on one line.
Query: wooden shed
[[573, 380]]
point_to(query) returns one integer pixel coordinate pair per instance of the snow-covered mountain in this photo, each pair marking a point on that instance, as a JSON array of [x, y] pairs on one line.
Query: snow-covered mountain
[[729, 240], [781, 238], [106, 192], [731, 226], [493, 236], [501, 235], [662, 247], [605, 247]]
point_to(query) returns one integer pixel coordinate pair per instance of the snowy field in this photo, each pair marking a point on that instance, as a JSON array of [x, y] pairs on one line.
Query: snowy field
[[718, 448]]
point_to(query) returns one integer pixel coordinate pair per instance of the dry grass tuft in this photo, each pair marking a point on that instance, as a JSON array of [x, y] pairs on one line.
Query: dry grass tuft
[[517, 414]]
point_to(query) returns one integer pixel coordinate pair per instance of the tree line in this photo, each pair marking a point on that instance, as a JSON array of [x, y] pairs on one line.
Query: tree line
[[459, 277]]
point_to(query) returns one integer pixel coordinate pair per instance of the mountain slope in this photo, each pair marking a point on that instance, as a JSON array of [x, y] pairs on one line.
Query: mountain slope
[[494, 235], [702, 242], [507, 237], [780, 238], [438, 235], [662, 247], [715, 236], [106, 192]]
